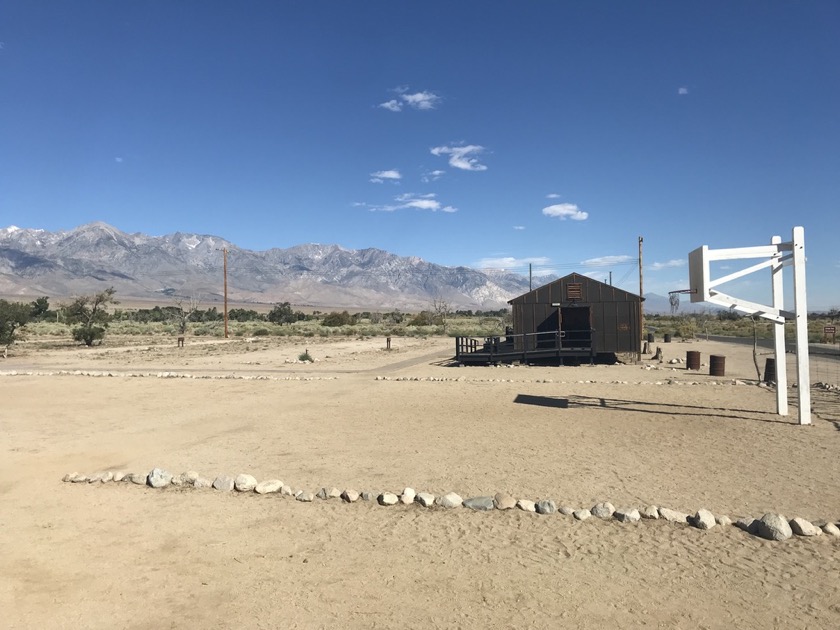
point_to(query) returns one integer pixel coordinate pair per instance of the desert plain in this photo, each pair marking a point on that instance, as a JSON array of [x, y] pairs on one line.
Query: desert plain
[[119, 555]]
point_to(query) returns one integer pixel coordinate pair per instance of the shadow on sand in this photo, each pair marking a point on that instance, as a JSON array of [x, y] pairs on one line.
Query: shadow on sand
[[668, 409]]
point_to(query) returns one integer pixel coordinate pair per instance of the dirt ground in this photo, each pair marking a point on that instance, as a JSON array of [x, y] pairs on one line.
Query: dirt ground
[[118, 555]]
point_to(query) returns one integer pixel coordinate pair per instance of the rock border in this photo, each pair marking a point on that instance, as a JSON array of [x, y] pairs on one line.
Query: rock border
[[770, 526]]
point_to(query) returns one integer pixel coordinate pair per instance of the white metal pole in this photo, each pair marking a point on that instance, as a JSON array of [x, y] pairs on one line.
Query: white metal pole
[[779, 332], [803, 372]]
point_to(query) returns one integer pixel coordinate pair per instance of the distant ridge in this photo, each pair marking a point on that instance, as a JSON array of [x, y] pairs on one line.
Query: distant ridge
[[97, 255]]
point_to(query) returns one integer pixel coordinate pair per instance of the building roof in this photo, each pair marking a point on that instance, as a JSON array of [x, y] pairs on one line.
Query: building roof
[[591, 291]]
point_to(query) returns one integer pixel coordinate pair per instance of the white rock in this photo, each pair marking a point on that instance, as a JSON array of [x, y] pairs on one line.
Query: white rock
[[627, 515], [451, 500], [350, 496], [305, 497], [426, 499], [202, 482], [268, 486], [566, 510], [831, 529], [69, 477], [387, 498], [704, 519], [723, 520], [95, 478], [244, 483], [407, 496], [107, 476], [504, 501], [748, 524], [650, 512], [177, 481], [801, 527], [673, 516], [582, 515], [120, 475], [189, 476], [774, 527], [286, 491], [526, 505], [159, 478], [138, 478], [333, 493], [223, 483], [603, 510]]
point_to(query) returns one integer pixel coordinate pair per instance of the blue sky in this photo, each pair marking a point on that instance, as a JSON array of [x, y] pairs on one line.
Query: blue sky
[[466, 133]]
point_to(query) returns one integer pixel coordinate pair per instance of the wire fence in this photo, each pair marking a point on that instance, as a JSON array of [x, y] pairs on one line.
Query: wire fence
[[825, 382]]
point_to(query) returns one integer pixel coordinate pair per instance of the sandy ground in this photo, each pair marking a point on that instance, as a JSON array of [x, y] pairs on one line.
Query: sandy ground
[[125, 556]]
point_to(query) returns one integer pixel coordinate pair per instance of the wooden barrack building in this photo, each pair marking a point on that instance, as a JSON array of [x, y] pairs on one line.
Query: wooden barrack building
[[574, 316]]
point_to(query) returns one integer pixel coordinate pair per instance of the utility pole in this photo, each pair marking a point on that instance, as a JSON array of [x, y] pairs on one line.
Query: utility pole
[[224, 254], [530, 277], [642, 300]]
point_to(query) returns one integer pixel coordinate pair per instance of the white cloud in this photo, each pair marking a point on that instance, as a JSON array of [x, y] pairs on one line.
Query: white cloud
[[682, 91], [606, 261], [422, 100], [411, 201], [676, 262], [462, 157], [432, 176], [509, 262], [552, 196], [392, 106], [565, 211], [380, 176], [518, 227], [118, 160]]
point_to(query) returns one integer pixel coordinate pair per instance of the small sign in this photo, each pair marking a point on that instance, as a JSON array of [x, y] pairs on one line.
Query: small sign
[[829, 330], [624, 327]]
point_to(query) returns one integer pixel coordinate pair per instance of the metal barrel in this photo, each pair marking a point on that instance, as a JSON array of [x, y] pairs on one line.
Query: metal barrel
[[650, 337], [692, 360], [667, 337], [770, 371], [717, 365]]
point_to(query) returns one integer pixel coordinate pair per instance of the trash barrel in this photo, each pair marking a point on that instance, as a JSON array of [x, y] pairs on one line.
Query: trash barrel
[[650, 337], [717, 365], [667, 337], [692, 360], [770, 371]]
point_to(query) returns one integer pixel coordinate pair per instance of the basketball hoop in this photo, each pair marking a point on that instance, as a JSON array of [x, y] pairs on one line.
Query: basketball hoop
[[674, 299]]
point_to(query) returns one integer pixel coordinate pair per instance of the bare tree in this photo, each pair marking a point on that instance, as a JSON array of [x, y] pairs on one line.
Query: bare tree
[[184, 312], [441, 310]]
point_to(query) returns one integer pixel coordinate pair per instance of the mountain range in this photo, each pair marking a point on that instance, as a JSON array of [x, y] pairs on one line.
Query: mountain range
[[96, 256]]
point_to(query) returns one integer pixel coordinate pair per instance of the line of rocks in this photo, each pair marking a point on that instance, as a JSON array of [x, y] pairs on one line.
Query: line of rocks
[[225, 377], [463, 379], [436, 379], [771, 526]]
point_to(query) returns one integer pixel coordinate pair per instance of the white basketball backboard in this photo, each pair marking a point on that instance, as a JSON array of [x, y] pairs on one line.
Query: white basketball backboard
[[698, 274]]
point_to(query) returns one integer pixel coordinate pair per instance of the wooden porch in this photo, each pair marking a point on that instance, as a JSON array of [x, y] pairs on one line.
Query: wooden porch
[[553, 344]]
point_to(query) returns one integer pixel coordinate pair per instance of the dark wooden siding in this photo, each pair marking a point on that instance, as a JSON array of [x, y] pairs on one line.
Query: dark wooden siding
[[614, 313]]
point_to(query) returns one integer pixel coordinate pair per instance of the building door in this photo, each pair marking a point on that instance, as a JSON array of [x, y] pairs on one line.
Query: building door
[[576, 326], [547, 331]]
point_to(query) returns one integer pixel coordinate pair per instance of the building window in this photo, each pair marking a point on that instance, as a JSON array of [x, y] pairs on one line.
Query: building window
[[574, 291]]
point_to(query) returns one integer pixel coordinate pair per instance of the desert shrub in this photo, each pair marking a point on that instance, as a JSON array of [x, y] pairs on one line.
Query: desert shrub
[[13, 317], [305, 356], [91, 315], [261, 332], [423, 318], [89, 334], [338, 319]]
